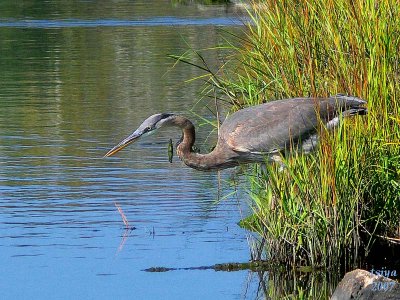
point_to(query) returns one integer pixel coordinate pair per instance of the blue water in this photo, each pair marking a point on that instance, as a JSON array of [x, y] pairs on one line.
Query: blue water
[[63, 238], [77, 77]]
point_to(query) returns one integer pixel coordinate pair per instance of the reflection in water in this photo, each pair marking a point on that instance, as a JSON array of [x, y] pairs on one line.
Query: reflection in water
[[281, 284], [66, 94], [164, 21]]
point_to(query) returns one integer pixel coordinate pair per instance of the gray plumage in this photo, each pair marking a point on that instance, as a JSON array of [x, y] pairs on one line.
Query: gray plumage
[[259, 132]]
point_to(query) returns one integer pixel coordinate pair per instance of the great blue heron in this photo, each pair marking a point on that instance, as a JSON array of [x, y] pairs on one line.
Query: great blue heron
[[256, 133]]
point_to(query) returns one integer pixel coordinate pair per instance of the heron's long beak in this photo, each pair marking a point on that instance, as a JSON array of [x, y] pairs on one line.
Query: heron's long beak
[[127, 141]]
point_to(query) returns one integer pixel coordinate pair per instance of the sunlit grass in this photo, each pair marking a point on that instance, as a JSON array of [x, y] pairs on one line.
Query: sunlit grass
[[327, 207]]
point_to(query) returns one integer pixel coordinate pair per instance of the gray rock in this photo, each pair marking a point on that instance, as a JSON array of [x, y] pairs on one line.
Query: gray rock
[[363, 285]]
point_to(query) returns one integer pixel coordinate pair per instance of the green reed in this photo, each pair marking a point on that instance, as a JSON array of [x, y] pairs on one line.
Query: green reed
[[330, 206]]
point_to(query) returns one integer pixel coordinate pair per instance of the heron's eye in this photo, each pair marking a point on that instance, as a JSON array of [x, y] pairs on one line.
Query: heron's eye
[[148, 128]]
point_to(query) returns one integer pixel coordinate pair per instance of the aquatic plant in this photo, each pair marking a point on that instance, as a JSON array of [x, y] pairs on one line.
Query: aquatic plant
[[331, 206]]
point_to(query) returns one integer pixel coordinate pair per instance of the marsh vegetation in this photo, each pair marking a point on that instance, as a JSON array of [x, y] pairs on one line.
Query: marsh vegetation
[[329, 208]]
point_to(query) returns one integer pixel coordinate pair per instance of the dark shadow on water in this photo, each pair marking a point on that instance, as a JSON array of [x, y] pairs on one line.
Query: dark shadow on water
[[279, 282], [275, 282], [384, 259]]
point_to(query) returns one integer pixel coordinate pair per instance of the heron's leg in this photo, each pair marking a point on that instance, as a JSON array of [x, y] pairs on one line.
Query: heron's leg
[[277, 158], [263, 168]]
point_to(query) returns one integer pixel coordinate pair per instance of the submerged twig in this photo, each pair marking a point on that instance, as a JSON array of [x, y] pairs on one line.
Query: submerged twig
[[128, 228], [124, 219], [389, 239], [124, 239]]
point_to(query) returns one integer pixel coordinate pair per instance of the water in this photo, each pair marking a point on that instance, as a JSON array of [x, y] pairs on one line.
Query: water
[[76, 77]]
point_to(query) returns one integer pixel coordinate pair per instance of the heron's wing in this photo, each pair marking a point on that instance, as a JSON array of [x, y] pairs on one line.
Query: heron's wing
[[276, 125]]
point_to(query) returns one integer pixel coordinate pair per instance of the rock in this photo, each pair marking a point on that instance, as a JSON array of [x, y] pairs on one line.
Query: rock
[[363, 285]]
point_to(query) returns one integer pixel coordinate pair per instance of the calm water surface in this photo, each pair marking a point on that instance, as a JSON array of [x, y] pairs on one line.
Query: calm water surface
[[76, 77]]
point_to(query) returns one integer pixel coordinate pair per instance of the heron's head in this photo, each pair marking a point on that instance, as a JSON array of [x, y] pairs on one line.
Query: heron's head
[[149, 126]]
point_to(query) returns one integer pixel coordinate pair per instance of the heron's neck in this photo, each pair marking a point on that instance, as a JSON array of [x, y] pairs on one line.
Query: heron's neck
[[217, 159], [188, 135]]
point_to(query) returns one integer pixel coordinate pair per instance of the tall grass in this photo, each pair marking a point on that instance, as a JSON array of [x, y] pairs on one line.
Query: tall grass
[[329, 206]]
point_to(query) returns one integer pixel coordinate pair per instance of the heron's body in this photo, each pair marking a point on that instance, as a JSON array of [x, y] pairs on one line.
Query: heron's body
[[258, 132]]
